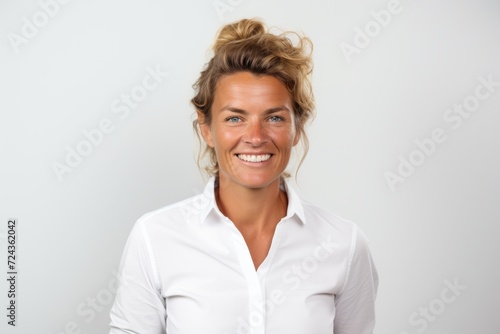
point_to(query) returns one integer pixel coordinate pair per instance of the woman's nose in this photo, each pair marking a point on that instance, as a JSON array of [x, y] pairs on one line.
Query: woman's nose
[[255, 133]]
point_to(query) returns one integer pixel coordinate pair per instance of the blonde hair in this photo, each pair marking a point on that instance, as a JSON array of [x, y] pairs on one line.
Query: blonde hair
[[246, 46]]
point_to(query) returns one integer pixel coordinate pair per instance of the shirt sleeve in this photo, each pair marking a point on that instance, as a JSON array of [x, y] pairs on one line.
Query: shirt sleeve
[[139, 307], [355, 305]]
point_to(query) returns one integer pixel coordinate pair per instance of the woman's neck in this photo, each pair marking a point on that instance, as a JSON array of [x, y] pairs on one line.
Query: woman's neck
[[252, 209]]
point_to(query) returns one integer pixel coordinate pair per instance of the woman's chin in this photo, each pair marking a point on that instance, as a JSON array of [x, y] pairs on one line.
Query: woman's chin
[[252, 180]]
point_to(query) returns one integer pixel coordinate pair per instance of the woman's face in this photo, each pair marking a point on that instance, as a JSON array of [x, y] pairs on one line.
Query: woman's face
[[252, 129]]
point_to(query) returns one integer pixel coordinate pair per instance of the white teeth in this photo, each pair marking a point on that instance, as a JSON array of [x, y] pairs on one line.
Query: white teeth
[[254, 158]]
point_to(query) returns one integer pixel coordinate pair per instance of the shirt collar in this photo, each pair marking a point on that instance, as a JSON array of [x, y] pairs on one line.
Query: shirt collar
[[295, 207]]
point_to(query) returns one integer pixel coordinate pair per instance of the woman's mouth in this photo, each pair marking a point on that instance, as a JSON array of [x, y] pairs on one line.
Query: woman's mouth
[[254, 157]]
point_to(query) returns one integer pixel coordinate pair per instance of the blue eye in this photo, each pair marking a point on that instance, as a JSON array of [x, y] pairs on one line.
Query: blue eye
[[233, 119], [276, 119]]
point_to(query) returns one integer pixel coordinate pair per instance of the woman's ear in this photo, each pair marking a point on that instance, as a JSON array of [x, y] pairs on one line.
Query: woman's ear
[[205, 129], [296, 138], [296, 128]]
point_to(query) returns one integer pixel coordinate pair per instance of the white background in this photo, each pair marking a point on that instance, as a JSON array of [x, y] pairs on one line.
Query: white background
[[440, 224]]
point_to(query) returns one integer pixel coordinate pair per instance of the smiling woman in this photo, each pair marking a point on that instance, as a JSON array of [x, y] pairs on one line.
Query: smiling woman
[[246, 47], [248, 255]]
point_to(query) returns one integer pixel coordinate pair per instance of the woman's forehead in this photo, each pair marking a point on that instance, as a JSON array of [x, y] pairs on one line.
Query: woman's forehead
[[247, 88]]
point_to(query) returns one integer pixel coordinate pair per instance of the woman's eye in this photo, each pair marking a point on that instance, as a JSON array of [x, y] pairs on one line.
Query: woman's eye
[[276, 119], [233, 119]]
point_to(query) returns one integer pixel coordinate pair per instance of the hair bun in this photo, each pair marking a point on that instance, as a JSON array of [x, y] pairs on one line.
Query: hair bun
[[237, 31]]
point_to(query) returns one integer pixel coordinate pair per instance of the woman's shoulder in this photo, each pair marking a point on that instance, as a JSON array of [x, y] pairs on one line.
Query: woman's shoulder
[[328, 220], [325, 222]]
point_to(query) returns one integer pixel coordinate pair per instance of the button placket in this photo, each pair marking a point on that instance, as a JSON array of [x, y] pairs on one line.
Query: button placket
[[254, 321]]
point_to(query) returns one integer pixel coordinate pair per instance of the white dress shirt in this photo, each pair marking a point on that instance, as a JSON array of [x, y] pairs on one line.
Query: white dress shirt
[[186, 269]]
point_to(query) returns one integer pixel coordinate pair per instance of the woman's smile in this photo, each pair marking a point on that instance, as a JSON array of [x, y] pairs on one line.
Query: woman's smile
[[254, 157]]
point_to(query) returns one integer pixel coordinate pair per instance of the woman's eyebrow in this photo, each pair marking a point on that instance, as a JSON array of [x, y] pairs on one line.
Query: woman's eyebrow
[[244, 112]]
